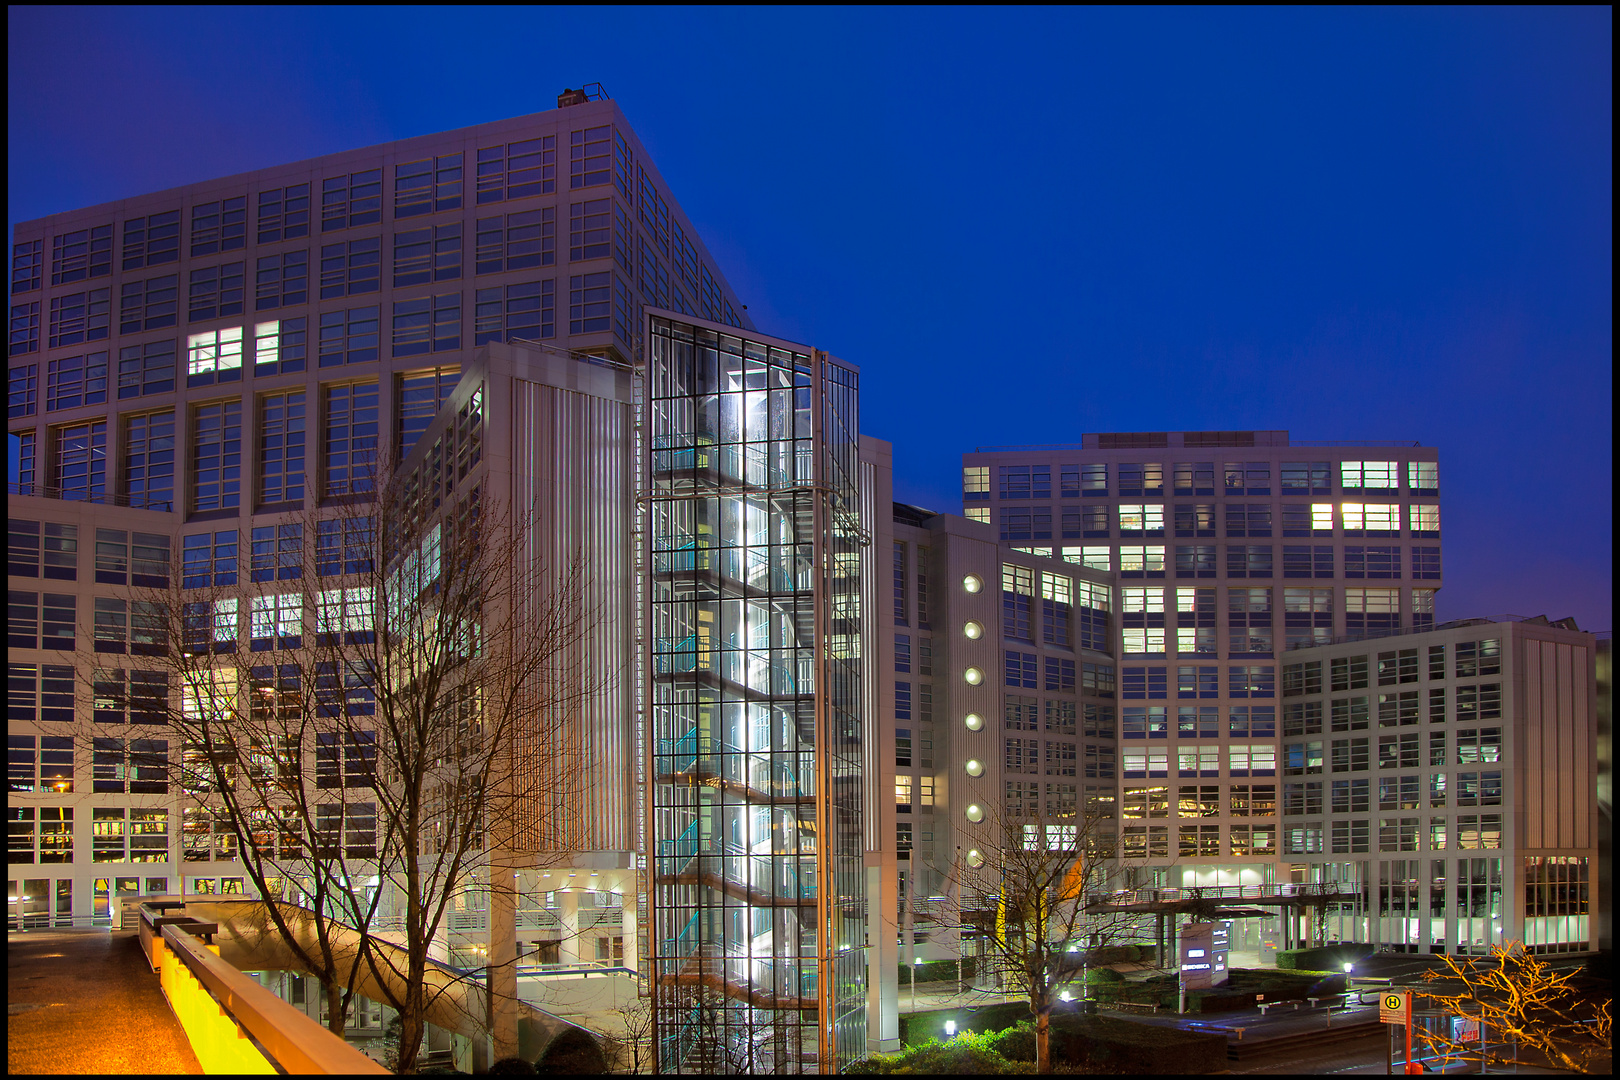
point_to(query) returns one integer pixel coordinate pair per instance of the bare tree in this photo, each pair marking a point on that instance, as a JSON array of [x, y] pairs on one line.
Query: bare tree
[[399, 728], [1025, 893], [1517, 996], [633, 1045]]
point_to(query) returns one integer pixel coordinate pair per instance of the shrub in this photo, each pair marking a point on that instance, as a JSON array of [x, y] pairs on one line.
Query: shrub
[[966, 1053], [1327, 958], [1017, 1043], [919, 1028]]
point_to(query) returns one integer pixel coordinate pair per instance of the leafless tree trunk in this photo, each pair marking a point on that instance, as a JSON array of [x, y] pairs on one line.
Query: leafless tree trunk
[[1026, 894], [374, 706]]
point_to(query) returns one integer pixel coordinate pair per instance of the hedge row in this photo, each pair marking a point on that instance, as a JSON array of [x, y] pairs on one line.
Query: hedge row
[[1326, 958], [1077, 1043]]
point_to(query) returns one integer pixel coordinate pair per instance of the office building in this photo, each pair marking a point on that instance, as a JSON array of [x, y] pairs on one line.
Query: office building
[[1447, 773], [194, 373]]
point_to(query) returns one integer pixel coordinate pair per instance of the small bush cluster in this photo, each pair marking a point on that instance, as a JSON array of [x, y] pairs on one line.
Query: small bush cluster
[[966, 1053], [1326, 958]]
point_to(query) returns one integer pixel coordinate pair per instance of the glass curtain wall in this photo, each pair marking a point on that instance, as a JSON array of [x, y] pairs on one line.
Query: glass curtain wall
[[755, 704]]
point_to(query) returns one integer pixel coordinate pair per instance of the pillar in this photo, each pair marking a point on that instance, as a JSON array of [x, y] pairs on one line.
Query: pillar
[[569, 948], [883, 964], [502, 1019]]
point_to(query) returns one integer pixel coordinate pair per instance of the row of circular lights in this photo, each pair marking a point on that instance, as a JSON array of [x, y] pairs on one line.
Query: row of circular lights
[[974, 630]]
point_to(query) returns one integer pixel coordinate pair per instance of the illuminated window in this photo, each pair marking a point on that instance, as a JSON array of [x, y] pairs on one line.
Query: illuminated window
[[1423, 477], [1423, 519], [1140, 562], [975, 482], [1142, 640], [1371, 519], [1141, 519], [277, 621], [214, 354], [1369, 475]]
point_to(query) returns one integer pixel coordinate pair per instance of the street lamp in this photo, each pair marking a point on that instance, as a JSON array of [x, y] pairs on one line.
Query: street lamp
[[950, 1029], [916, 961]]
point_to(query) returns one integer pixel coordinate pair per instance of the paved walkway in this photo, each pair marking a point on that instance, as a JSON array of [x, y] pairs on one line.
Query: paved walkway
[[86, 1002]]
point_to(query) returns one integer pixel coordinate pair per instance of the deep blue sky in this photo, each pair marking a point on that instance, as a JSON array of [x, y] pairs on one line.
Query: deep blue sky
[[1022, 224]]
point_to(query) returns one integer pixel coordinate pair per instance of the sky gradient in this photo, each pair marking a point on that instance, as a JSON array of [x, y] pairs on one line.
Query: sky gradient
[[1022, 224]]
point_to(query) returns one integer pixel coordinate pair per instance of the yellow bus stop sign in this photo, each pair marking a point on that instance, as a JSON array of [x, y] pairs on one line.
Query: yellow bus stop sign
[[1395, 1007]]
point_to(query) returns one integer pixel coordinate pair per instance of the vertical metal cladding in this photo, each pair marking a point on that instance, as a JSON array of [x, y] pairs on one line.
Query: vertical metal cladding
[[756, 703], [570, 465]]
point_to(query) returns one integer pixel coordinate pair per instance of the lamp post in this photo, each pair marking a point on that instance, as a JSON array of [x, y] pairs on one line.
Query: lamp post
[[915, 961]]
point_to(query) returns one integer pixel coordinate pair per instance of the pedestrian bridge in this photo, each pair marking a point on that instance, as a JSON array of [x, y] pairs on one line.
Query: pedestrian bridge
[[244, 938]]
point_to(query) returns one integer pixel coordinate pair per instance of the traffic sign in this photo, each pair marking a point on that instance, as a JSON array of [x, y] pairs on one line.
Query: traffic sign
[[1395, 1007]]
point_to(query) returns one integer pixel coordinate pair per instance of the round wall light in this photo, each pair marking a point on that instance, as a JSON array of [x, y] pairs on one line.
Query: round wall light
[[973, 630], [975, 858], [973, 583], [974, 722], [973, 676], [975, 767], [975, 813]]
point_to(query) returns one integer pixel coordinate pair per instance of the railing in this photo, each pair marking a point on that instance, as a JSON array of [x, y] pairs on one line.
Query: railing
[[1325, 890], [755, 465], [233, 1024], [102, 498], [1402, 631], [750, 668], [775, 876], [1353, 442], [764, 774]]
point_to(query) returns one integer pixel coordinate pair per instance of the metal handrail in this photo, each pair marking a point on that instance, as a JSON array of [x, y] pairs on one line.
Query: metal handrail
[[291, 1039], [44, 491]]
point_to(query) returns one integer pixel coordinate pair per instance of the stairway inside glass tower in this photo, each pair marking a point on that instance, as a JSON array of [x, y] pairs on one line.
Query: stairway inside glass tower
[[759, 921]]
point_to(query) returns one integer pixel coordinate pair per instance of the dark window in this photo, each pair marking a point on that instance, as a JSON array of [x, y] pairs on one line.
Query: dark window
[[427, 186], [281, 280], [526, 310], [151, 240], [347, 201], [219, 226], [283, 213]]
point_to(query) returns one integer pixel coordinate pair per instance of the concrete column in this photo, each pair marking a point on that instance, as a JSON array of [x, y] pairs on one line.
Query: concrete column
[[502, 971], [883, 957], [569, 949], [628, 907]]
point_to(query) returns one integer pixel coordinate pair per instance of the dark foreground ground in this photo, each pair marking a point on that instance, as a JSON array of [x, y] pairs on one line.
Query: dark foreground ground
[[85, 1002]]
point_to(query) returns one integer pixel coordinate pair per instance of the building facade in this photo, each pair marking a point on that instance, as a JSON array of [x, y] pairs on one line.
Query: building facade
[[196, 373], [1446, 774]]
